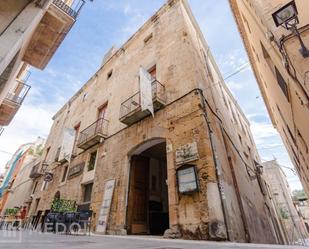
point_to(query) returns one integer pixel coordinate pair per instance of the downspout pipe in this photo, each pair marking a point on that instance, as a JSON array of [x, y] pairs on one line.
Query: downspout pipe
[[217, 166]]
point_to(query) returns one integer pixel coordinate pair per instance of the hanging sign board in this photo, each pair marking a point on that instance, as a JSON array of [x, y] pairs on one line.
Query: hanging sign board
[[106, 205], [67, 144], [187, 153], [187, 179]]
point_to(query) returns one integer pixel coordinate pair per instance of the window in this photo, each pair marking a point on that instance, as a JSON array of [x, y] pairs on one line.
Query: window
[[109, 74], [85, 96], [240, 139], [241, 124], [46, 154], [44, 186], [148, 39], [267, 58], [153, 71], [65, 172], [92, 161], [102, 111], [209, 72], [246, 22], [233, 113], [34, 187], [87, 192], [302, 140], [57, 154], [76, 129], [282, 84], [256, 54]]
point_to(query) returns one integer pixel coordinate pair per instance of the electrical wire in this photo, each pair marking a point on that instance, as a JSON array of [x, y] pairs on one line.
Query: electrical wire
[[238, 70]]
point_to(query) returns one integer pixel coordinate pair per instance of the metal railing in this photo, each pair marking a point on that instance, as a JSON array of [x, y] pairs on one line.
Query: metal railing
[[19, 94], [134, 102], [99, 127], [1, 130], [71, 9]]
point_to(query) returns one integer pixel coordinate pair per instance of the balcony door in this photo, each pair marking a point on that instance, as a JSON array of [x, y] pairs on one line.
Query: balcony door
[[101, 117]]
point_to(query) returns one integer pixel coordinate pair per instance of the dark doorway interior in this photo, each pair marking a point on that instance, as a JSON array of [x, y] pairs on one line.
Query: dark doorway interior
[[148, 194]]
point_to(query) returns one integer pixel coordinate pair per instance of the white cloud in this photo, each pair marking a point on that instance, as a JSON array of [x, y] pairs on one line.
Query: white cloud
[[30, 122], [262, 132]]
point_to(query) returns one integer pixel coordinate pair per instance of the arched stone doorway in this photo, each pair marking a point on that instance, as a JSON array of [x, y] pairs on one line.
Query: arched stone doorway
[[148, 193]]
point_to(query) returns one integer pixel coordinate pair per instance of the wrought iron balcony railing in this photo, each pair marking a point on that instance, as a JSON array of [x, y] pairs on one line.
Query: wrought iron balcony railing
[[93, 134], [72, 9], [19, 94], [131, 108]]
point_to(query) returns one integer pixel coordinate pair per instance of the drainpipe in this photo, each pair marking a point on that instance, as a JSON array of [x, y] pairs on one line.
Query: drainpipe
[[218, 168], [237, 191]]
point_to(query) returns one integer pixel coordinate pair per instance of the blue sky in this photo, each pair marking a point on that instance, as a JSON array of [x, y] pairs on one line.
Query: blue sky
[[103, 24]]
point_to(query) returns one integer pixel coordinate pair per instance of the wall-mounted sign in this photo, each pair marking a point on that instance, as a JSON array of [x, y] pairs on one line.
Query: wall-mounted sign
[[187, 153], [106, 205], [48, 176], [187, 179], [76, 170]]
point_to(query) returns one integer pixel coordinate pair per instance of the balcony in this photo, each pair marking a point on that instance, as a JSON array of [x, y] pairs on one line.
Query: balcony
[[130, 110], [12, 103], [35, 172], [93, 134], [50, 32]]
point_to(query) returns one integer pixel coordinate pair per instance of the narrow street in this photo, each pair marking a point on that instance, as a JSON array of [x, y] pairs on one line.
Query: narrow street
[[35, 240]]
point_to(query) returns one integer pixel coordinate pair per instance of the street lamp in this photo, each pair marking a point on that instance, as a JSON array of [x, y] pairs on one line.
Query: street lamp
[[287, 17]]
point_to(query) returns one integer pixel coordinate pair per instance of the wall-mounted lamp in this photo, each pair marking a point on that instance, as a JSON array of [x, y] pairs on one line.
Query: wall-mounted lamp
[[287, 17]]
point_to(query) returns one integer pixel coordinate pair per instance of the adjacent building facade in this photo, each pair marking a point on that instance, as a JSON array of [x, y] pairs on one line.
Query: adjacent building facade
[[14, 189], [292, 224], [302, 206], [281, 68], [30, 33], [193, 165]]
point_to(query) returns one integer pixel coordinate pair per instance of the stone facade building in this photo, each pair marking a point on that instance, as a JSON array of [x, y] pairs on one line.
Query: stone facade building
[[30, 33], [281, 68], [292, 224], [191, 170], [302, 206]]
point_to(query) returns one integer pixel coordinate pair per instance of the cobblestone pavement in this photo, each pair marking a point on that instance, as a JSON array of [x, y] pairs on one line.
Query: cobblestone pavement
[[36, 240]]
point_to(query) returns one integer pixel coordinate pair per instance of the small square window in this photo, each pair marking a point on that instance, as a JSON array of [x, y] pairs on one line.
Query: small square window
[[109, 74], [148, 39], [85, 96]]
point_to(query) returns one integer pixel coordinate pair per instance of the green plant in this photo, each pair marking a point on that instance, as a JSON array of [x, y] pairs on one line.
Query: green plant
[[284, 213], [63, 205], [11, 211]]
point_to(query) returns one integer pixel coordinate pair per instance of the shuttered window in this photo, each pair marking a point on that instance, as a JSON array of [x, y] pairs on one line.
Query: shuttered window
[[282, 84]]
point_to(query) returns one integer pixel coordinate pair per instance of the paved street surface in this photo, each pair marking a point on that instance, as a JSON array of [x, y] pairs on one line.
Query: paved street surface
[[36, 240]]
